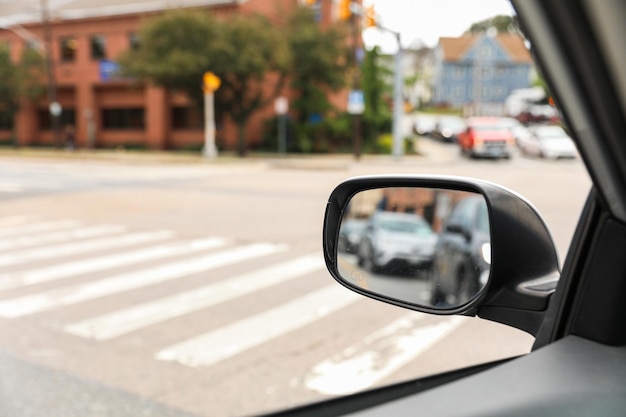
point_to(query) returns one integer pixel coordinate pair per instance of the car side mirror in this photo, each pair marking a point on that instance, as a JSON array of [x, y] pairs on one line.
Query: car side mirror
[[514, 266]]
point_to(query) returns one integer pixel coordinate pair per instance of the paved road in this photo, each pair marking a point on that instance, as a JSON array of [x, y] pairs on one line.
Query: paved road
[[202, 288]]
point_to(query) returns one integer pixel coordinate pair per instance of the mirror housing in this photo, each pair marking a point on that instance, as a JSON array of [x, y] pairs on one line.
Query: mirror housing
[[524, 262]]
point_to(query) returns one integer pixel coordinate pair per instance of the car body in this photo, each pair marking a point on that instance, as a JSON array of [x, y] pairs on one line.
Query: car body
[[548, 141], [462, 256], [424, 124], [350, 235], [392, 238], [448, 128], [486, 137]]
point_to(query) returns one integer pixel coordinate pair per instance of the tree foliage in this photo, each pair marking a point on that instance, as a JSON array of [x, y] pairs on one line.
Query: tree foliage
[[9, 86], [319, 61], [177, 48], [502, 23], [21, 80], [377, 95]]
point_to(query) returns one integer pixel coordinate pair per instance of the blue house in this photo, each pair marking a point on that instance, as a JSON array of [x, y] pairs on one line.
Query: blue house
[[478, 72]]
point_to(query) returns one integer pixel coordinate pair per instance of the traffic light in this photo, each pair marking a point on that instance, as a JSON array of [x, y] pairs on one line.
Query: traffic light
[[344, 9], [310, 2], [370, 17]]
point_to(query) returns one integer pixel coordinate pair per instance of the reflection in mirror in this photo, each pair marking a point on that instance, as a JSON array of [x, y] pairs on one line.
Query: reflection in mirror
[[424, 246]]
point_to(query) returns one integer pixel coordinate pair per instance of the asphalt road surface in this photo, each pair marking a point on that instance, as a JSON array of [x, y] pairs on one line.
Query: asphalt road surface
[[199, 289]]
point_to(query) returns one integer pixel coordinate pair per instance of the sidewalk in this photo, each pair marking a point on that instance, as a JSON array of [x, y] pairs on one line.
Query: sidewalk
[[428, 150]]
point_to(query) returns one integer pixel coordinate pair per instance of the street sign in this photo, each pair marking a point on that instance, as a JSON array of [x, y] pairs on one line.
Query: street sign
[[55, 109], [210, 82], [281, 105], [356, 102]]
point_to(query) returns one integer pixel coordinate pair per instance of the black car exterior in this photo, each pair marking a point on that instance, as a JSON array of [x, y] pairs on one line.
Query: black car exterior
[[462, 253]]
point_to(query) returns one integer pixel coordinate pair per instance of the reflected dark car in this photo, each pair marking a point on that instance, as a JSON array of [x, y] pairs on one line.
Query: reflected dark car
[[448, 128], [394, 241], [462, 254], [350, 235]]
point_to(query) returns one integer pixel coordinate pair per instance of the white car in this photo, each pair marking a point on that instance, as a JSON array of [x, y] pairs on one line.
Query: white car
[[548, 142]]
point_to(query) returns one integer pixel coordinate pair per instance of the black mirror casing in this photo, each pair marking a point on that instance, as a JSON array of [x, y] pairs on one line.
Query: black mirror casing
[[524, 262]]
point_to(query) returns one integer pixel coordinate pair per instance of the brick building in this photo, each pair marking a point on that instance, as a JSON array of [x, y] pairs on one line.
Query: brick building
[[86, 37]]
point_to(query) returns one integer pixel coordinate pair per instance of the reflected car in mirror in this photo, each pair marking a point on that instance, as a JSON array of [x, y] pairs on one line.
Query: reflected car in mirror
[[462, 255]]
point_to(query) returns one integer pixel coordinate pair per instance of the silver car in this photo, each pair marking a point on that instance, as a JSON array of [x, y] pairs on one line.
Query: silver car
[[394, 241]]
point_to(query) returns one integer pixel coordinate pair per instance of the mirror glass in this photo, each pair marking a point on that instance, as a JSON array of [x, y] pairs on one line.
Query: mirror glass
[[425, 246]]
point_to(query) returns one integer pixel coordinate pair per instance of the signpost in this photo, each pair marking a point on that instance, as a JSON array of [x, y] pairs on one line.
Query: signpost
[[210, 83], [281, 106]]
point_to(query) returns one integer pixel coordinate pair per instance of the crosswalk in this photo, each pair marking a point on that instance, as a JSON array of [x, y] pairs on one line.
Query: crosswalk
[[22, 178], [52, 264]]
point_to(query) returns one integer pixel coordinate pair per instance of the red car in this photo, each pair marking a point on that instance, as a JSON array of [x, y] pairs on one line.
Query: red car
[[486, 137]]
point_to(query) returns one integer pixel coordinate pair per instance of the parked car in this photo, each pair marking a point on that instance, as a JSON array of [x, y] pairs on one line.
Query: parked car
[[424, 124], [448, 128], [350, 235], [462, 257], [392, 238], [549, 141], [486, 137]]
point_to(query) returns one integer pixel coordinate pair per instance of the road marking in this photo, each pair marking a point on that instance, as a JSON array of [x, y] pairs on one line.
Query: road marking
[[379, 355], [37, 227], [36, 303], [72, 269], [124, 321], [212, 347], [75, 248], [58, 237]]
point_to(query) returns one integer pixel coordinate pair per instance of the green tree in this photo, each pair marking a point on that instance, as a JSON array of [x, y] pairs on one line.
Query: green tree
[[22, 80], [319, 63], [502, 23], [9, 85], [177, 48], [376, 91]]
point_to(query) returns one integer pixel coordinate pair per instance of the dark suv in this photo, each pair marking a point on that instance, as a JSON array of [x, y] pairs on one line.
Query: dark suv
[[462, 255]]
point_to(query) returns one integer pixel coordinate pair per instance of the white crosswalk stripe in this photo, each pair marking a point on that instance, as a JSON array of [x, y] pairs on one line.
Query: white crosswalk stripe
[[124, 321], [35, 303], [210, 348], [76, 248], [362, 365], [38, 227], [58, 237], [156, 260], [75, 268]]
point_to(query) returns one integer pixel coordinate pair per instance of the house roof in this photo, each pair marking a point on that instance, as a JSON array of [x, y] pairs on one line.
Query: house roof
[[454, 49], [15, 12]]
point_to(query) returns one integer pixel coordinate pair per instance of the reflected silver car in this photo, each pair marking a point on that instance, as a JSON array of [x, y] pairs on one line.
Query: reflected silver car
[[394, 241]]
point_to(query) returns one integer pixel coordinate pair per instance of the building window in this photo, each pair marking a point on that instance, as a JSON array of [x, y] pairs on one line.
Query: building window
[[500, 91], [98, 50], [133, 40], [459, 71], [459, 92], [68, 117], [123, 119], [486, 51], [68, 49], [186, 118]]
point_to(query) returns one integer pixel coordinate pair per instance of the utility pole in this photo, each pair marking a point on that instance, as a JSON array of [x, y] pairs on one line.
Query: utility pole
[[54, 106], [398, 103]]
